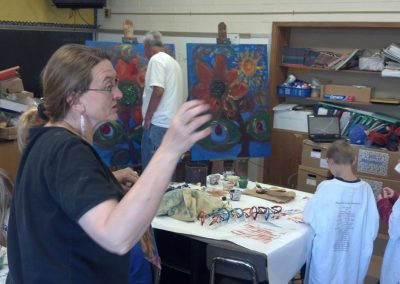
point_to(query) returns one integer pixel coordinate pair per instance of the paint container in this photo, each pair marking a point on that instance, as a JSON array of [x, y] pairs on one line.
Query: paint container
[[243, 181], [196, 172], [235, 194]]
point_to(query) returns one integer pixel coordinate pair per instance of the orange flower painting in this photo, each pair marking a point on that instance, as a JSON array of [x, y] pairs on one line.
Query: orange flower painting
[[232, 79], [118, 143]]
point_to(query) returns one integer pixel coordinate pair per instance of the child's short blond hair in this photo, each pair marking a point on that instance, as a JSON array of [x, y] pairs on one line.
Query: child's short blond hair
[[341, 153]]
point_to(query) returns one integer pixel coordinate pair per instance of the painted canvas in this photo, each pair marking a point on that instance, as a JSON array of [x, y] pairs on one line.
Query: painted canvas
[[233, 80], [118, 143]]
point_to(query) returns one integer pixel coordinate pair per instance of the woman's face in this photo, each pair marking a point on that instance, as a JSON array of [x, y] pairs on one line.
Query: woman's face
[[100, 100]]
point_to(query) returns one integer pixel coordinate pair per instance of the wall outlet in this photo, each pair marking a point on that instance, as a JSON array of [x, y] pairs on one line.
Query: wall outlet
[[107, 12], [235, 38]]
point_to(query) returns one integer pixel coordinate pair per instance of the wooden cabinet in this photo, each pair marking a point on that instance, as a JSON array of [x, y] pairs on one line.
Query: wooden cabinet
[[9, 157], [281, 168], [338, 37]]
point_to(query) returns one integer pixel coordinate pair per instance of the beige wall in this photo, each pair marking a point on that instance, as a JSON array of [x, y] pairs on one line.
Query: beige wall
[[241, 16]]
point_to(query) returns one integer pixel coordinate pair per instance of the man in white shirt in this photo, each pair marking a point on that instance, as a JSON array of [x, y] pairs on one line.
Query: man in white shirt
[[163, 94]]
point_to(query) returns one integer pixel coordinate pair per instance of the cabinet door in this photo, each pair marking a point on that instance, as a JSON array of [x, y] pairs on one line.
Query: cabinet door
[[9, 157], [281, 168]]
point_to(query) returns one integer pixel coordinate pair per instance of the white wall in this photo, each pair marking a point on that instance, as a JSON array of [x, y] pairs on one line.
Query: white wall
[[241, 16], [197, 20]]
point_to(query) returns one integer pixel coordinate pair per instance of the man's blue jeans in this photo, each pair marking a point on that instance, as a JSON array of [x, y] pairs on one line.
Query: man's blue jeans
[[151, 140]]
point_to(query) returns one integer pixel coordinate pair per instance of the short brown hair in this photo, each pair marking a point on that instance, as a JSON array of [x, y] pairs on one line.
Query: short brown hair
[[341, 152]]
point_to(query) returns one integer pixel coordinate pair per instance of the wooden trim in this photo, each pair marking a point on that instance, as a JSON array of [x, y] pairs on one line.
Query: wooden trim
[[345, 25]]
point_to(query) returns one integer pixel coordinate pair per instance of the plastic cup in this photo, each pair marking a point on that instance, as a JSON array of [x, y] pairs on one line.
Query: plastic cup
[[243, 181]]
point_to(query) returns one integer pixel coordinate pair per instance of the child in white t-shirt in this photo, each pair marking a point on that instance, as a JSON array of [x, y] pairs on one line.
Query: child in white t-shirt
[[345, 221]]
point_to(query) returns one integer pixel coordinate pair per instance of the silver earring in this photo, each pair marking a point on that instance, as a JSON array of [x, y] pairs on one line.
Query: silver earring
[[83, 125]]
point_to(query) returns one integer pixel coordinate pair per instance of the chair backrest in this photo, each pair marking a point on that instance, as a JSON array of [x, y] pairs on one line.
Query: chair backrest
[[236, 258]]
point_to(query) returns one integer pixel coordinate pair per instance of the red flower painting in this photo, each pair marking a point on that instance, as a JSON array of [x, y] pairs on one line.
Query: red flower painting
[[219, 86]]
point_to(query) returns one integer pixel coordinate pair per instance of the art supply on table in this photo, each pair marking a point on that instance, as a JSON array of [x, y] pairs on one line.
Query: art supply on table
[[275, 194], [233, 179], [243, 181], [214, 179], [235, 194], [228, 185]]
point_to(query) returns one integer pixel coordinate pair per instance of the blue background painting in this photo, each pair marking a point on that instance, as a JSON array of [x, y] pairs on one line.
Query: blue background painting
[[233, 80], [118, 143]]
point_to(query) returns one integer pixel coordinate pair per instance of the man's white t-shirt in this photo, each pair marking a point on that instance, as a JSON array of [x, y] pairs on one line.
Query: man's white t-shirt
[[345, 221], [164, 71], [390, 273]]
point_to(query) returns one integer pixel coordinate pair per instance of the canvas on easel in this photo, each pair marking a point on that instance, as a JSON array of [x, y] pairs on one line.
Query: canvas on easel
[[119, 142], [233, 80]]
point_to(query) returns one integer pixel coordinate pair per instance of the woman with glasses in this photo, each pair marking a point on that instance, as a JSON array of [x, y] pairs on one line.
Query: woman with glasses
[[71, 221]]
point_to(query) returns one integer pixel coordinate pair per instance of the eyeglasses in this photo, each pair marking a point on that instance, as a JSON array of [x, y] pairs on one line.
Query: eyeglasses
[[108, 89]]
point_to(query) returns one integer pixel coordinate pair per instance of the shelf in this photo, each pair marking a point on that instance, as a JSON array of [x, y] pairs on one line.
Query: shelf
[[338, 102], [309, 68], [334, 36]]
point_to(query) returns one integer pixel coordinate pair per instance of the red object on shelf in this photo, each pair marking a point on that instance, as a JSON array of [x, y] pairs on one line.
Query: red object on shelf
[[9, 73]]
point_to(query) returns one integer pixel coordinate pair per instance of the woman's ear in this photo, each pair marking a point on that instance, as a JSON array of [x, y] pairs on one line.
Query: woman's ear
[[76, 104]]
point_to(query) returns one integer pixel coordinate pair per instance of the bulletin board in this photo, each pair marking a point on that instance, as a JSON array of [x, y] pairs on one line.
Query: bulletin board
[[30, 49]]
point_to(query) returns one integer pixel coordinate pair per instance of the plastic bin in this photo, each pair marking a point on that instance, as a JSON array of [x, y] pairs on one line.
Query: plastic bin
[[285, 91]]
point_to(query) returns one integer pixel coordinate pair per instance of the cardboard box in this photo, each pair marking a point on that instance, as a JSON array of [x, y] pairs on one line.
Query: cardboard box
[[374, 162], [309, 178], [377, 184], [13, 85], [9, 157], [314, 154], [360, 93], [8, 133], [23, 95], [287, 118]]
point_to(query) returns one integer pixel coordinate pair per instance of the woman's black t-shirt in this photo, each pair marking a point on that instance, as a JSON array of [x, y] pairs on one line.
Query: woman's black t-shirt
[[59, 179]]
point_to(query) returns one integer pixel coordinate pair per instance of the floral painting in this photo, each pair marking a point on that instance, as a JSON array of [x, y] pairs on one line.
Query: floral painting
[[233, 80], [118, 143]]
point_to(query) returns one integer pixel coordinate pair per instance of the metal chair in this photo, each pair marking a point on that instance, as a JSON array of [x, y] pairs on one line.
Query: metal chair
[[234, 261]]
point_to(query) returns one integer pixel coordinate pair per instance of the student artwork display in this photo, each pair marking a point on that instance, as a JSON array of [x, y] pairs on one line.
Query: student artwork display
[[118, 143], [233, 80]]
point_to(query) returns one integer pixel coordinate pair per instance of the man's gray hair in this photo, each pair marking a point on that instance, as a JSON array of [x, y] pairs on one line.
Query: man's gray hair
[[153, 38]]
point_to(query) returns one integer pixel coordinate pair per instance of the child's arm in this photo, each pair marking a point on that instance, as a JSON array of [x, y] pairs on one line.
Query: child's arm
[[394, 197], [385, 209], [308, 211], [387, 192], [310, 208]]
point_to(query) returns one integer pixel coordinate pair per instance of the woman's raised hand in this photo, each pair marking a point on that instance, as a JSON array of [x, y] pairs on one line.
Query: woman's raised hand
[[183, 132]]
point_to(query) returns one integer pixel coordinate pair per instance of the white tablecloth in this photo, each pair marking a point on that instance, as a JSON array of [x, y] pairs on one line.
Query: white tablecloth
[[285, 241]]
